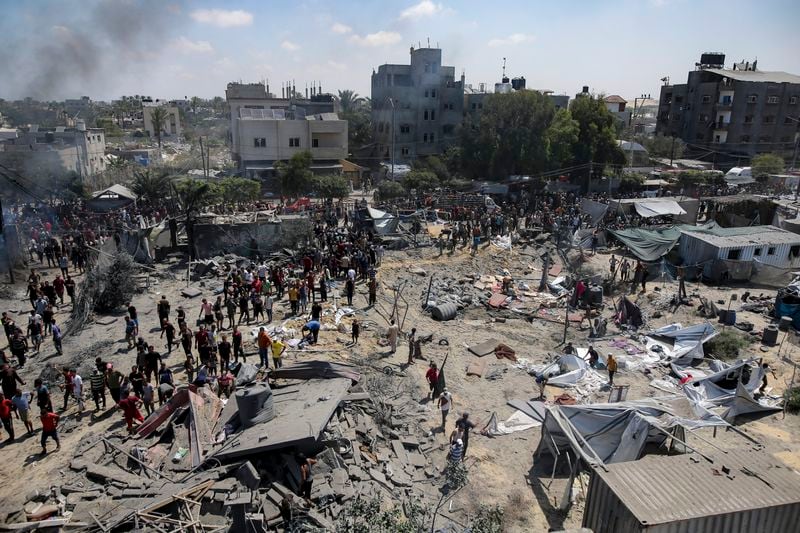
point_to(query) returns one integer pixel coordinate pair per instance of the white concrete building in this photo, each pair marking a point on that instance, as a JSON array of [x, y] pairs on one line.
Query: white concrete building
[[265, 130], [172, 126]]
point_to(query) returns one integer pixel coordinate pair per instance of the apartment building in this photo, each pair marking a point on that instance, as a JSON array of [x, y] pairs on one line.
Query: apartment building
[[422, 102], [266, 129], [57, 150], [737, 111]]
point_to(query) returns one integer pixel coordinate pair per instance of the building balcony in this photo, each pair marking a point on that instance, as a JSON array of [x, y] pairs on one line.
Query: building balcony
[[721, 126], [331, 152], [725, 104]]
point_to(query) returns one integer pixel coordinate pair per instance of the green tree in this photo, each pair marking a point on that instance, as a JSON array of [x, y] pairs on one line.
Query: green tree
[[597, 139], [235, 190], [349, 100], [194, 103], [152, 185], [159, 117], [421, 180], [764, 165], [295, 176], [509, 137], [389, 190], [193, 195], [664, 146], [331, 186], [435, 165], [562, 136]]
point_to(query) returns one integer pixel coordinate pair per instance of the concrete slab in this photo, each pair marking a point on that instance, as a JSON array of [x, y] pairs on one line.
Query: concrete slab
[[484, 348], [300, 418], [191, 292]]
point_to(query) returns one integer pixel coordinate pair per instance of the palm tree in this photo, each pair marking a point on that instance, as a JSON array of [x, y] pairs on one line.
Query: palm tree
[[192, 194], [194, 102], [159, 117], [153, 186], [349, 100]]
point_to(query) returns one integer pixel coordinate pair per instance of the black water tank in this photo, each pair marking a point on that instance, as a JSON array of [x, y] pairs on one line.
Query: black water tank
[[255, 404]]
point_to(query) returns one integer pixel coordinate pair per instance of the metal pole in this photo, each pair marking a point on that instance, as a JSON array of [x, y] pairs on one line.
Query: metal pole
[[391, 101]]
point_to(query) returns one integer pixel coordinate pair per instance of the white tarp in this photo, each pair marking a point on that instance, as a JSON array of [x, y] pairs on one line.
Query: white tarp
[[657, 208], [674, 343], [519, 421], [596, 210], [567, 370], [384, 222]]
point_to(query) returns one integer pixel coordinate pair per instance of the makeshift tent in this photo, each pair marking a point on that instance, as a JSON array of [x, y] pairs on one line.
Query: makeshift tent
[[648, 245], [657, 208], [595, 210], [566, 370], [617, 432], [680, 345], [628, 313], [383, 222], [111, 198]]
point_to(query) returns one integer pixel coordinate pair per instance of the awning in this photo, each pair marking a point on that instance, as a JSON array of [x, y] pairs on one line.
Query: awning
[[648, 245], [659, 208]]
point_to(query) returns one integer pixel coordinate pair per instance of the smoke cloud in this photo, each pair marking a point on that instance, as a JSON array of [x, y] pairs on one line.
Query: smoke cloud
[[81, 50]]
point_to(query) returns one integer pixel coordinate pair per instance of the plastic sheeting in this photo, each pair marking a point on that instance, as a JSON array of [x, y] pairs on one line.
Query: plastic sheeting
[[383, 222], [519, 421], [648, 245], [595, 210], [658, 208], [567, 370], [683, 344]]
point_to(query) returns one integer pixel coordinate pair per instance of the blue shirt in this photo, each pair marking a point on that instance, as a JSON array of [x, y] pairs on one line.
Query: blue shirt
[[21, 402], [313, 325]]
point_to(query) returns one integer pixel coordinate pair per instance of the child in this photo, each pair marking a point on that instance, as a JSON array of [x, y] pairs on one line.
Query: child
[[355, 331], [188, 366]]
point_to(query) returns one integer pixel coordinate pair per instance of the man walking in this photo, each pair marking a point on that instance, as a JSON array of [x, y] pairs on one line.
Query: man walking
[[611, 366], [391, 335], [445, 404], [49, 429], [464, 424], [5, 416], [97, 382], [22, 405]]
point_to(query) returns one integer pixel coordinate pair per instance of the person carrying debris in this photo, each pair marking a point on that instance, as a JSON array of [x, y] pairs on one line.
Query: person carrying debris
[[611, 365]]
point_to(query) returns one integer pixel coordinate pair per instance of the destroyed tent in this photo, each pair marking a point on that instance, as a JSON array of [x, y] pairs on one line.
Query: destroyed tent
[[680, 345], [628, 313], [617, 432], [381, 222], [730, 392], [566, 370], [648, 245], [595, 210], [658, 208]]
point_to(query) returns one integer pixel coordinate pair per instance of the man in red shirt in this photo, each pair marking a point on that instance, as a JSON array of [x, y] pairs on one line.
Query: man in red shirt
[[5, 416], [130, 410], [432, 376], [49, 429]]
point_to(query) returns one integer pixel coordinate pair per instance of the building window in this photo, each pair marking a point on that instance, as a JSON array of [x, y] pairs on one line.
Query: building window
[[702, 118], [748, 119], [734, 254], [771, 250], [757, 252], [433, 137], [700, 137], [294, 142], [427, 67], [480, 105], [745, 139], [403, 151], [474, 106], [678, 99], [425, 137], [716, 138], [769, 119], [752, 99], [765, 139], [260, 142], [447, 129], [792, 100], [405, 128], [433, 93], [706, 98], [314, 143], [772, 99], [426, 93], [425, 115], [433, 114], [794, 251]]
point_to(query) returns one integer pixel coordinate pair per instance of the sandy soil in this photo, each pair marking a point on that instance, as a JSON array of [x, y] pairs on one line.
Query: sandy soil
[[501, 469]]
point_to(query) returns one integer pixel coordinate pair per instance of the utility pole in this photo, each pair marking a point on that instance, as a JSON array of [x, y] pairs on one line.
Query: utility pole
[[672, 152], [391, 101]]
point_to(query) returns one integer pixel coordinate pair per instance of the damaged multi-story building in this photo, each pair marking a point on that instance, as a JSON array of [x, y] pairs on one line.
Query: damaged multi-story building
[[36, 150]]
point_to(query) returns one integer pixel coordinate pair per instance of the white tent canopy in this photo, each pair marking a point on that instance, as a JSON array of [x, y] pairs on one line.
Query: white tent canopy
[[658, 208]]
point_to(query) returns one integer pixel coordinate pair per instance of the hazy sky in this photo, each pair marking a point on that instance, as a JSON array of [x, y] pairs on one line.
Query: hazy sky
[[171, 49]]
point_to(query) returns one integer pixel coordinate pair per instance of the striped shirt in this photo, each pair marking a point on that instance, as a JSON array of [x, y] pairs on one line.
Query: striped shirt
[[97, 381]]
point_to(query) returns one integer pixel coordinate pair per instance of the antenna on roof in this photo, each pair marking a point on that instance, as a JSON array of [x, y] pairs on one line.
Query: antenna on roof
[[429, 42], [504, 67]]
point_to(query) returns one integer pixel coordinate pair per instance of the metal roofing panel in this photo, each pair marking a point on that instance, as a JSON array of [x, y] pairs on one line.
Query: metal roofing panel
[[743, 236], [663, 489]]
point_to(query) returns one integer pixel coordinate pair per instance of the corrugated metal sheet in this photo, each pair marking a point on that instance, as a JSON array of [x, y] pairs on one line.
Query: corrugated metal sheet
[[675, 494]]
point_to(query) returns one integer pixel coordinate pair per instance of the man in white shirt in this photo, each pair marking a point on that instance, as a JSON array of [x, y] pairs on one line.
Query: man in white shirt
[[445, 404], [77, 390]]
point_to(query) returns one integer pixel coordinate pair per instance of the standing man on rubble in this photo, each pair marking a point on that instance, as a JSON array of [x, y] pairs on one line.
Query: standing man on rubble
[[445, 404], [464, 425], [391, 336], [611, 366], [264, 342]]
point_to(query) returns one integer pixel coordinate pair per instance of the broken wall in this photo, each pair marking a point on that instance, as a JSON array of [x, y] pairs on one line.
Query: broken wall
[[236, 238]]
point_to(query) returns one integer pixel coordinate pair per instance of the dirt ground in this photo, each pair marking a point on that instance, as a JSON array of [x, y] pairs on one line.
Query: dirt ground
[[501, 469]]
